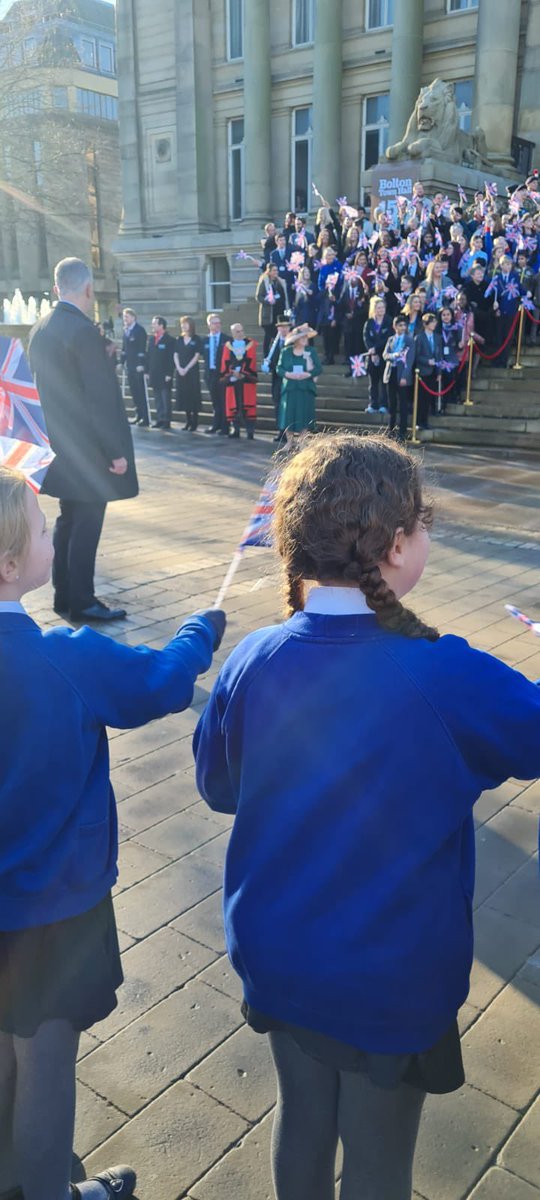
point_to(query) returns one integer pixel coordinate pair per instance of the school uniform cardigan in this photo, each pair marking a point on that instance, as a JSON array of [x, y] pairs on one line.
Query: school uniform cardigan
[[351, 758], [59, 689]]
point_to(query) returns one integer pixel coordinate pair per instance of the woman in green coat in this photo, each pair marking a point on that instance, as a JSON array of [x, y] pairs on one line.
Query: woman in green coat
[[299, 367]]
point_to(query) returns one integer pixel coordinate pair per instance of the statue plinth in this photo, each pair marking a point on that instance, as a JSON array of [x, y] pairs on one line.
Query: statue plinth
[[392, 179]]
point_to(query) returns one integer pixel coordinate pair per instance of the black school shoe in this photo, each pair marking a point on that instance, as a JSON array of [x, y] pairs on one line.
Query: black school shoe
[[118, 1183], [97, 611]]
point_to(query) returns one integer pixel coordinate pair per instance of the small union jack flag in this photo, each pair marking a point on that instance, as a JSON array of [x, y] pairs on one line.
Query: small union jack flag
[[512, 290], [258, 531], [24, 443], [358, 365]]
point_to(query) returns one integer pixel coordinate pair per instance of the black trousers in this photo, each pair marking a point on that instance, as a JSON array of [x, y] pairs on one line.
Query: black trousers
[[503, 325], [138, 392], [399, 399], [269, 335], [376, 387], [75, 539], [163, 395], [249, 422], [217, 396], [331, 335], [426, 401]]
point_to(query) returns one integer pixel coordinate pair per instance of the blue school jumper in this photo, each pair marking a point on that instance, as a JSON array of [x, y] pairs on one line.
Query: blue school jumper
[[58, 690], [352, 758]]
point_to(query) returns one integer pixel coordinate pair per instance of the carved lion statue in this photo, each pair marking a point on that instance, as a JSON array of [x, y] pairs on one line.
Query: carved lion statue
[[433, 130]]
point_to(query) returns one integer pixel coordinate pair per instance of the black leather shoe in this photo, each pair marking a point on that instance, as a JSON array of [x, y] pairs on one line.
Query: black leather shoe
[[61, 609], [97, 612], [210, 430], [135, 421], [119, 1183], [157, 424]]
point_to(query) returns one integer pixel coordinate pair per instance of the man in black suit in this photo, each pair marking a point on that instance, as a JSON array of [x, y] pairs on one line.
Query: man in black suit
[[89, 433], [270, 365], [134, 360], [280, 259], [160, 359], [213, 345]]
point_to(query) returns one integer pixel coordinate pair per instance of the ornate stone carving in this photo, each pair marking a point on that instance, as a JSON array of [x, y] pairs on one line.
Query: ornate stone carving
[[433, 130]]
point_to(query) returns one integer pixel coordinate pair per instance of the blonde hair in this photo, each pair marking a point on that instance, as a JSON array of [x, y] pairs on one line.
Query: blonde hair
[[374, 301], [14, 526]]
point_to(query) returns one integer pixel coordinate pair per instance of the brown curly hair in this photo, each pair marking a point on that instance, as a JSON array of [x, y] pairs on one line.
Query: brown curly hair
[[339, 503]]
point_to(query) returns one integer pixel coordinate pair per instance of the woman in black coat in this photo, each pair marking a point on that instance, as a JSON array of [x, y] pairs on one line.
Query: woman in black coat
[[377, 330], [188, 382]]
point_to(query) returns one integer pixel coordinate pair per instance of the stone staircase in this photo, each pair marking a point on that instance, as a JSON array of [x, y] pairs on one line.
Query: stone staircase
[[505, 413]]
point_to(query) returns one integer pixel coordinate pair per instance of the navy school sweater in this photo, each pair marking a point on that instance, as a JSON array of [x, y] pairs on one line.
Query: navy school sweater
[[58, 690], [352, 758]]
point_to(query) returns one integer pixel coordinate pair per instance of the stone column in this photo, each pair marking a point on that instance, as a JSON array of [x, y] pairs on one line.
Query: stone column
[[257, 109], [406, 72], [128, 114], [529, 105], [327, 85], [497, 44]]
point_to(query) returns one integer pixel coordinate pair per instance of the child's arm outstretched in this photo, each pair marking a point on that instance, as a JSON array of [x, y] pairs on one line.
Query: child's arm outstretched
[[127, 686]]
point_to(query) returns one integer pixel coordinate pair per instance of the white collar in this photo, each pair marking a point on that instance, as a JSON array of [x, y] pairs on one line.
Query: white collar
[[11, 606], [337, 601]]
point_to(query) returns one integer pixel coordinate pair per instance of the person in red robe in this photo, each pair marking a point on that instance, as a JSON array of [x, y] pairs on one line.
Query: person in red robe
[[239, 375]]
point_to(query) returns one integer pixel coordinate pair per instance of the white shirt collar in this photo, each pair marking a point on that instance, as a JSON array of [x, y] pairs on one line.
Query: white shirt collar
[[11, 606], [337, 601]]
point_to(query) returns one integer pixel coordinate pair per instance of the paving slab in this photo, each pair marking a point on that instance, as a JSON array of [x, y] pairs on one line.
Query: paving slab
[[143, 1059], [244, 1173], [173, 1142], [519, 896], [153, 968], [529, 798], [502, 1185], [503, 845], [156, 803], [240, 1074], [502, 1050], [179, 834], [204, 922], [96, 1120], [459, 1136], [136, 862], [502, 945], [521, 1153], [221, 975], [167, 894]]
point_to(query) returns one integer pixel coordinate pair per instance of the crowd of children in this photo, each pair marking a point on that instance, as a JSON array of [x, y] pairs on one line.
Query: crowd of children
[[428, 271]]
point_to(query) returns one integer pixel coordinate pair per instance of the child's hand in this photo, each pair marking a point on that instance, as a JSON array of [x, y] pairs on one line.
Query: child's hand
[[218, 620]]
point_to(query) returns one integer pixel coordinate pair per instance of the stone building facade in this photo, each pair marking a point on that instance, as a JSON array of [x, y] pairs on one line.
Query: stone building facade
[[229, 109], [60, 188]]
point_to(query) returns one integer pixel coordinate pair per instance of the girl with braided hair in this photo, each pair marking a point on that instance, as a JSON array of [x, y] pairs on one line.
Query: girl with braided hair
[[351, 743]]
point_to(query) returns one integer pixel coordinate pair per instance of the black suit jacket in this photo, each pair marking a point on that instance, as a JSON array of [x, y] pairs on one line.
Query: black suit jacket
[[160, 359], [134, 347], [424, 353], [206, 353], [85, 416]]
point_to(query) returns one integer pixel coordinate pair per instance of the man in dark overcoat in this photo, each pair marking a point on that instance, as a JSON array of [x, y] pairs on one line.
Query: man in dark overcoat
[[89, 433]]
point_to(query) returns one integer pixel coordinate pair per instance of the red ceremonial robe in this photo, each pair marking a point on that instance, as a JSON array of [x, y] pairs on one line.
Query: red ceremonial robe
[[247, 366]]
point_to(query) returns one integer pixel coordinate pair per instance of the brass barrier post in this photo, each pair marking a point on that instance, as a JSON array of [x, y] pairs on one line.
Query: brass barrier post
[[415, 441], [439, 389], [469, 370], [517, 365]]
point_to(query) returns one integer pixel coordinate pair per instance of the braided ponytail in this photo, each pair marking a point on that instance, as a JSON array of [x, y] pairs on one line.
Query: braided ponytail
[[294, 594], [339, 503]]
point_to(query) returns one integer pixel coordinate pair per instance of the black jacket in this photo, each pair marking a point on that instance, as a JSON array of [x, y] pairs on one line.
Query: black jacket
[[85, 416], [160, 360], [134, 347], [424, 352]]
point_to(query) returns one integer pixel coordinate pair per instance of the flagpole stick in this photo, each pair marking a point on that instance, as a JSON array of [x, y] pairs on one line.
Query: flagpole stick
[[469, 370], [517, 365], [414, 438], [233, 567]]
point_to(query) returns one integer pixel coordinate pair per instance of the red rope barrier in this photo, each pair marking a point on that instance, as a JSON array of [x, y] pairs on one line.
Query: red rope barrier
[[531, 318], [500, 349], [461, 365]]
